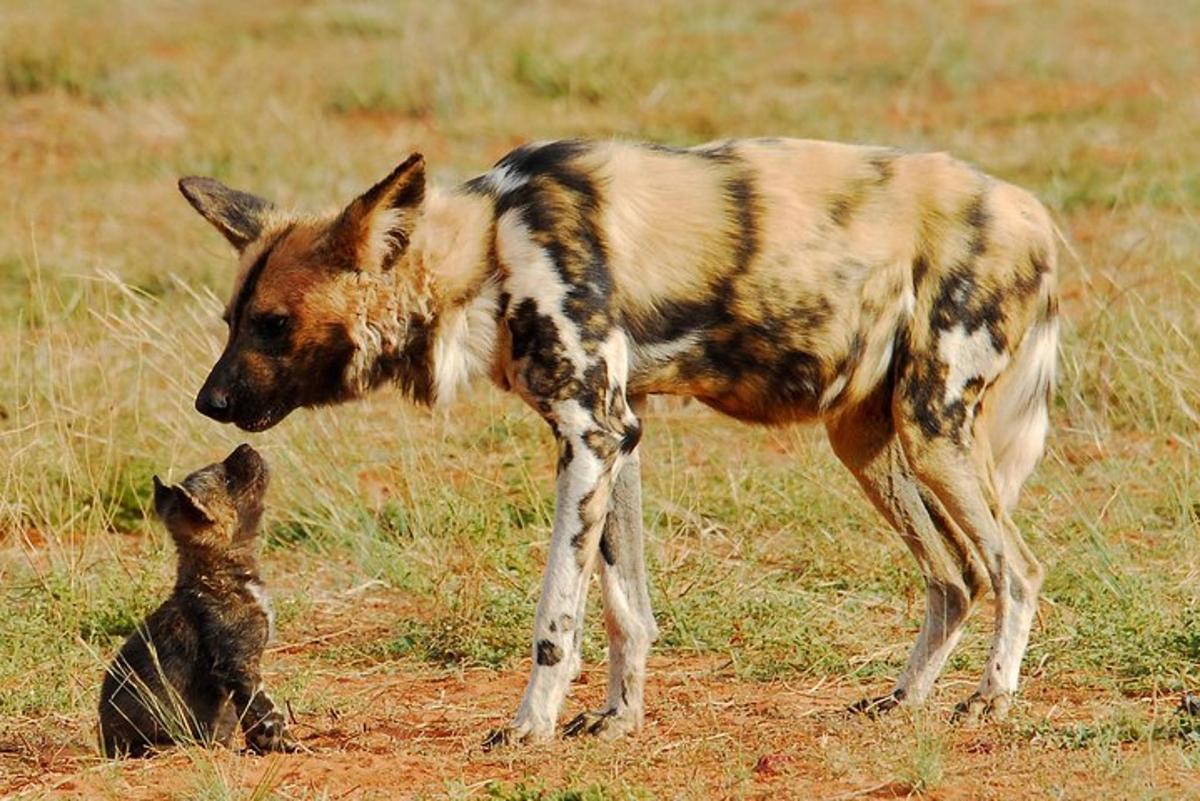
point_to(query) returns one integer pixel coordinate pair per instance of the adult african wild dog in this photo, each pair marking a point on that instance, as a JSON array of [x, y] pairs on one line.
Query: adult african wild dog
[[906, 300]]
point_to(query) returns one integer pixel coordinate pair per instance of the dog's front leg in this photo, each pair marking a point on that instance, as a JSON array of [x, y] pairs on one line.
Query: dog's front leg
[[627, 614], [589, 456], [261, 721]]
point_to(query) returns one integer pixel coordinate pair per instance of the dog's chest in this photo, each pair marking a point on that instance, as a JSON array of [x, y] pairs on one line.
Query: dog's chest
[[259, 595]]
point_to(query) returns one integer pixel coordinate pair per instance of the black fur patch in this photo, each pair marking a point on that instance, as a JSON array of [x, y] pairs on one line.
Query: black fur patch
[[977, 220], [672, 319], [577, 541], [632, 437], [961, 301], [414, 369], [565, 454], [541, 158], [547, 372], [744, 208], [606, 546], [548, 653], [920, 268]]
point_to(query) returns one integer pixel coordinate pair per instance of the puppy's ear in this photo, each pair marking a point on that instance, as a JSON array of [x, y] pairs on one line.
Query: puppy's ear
[[174, 502], [239, 216], [377, 225]]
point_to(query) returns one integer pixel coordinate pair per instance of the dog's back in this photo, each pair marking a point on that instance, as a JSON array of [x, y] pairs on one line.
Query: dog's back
[[769, 278]]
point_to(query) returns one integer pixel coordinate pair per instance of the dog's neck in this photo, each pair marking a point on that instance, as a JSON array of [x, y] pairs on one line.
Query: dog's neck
[[211, 566], [429, 322]]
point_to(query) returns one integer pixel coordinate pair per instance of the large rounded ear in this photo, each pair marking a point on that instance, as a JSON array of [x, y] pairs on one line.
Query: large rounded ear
[[376, 227], [173, 502], [239, 216]]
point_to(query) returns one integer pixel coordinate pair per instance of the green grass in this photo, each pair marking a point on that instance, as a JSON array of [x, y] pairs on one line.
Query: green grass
[[763, 552]]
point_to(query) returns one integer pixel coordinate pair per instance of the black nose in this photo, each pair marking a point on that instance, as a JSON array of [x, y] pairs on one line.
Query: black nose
[[213, 402], [245, 464]]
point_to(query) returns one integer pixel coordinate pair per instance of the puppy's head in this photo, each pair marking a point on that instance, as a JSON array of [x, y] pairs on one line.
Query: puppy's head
[[297, 334], [217, 506]]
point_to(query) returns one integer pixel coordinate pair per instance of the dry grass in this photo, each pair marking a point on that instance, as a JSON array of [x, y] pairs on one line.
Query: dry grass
[[407, 544]]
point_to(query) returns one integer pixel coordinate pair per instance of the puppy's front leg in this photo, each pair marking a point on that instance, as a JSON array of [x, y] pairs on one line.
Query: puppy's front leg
[[589, 455], [262, 723]]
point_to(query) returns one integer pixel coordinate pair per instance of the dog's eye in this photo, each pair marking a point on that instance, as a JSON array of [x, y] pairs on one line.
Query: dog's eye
[[272, 326]]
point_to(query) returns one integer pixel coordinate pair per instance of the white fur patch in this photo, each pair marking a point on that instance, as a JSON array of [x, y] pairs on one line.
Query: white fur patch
[[464, 344], [615, 352], [968, 356], [1016, 417], [834, 390], [649, 355], [505, 179], [259, 593]]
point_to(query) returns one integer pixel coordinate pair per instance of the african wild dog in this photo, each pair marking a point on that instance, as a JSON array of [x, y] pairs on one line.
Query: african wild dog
[[906, 300], [191, 670]]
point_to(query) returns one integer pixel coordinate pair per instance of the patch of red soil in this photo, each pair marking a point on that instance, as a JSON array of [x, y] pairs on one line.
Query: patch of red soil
[[708, 734]]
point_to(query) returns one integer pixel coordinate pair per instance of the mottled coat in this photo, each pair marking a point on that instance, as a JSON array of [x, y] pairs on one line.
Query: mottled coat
[[905, 299], [190, 673]]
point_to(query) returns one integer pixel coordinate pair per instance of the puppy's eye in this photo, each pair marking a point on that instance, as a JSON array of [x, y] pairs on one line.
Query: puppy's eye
[[272, 326]]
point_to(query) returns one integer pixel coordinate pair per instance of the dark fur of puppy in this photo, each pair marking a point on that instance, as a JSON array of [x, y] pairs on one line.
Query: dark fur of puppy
[[190, 673]]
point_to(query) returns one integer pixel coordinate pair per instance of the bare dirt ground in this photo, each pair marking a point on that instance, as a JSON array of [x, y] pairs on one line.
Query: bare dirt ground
[[403, 730]]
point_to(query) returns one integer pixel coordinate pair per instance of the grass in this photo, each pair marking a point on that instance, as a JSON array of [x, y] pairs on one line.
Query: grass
[[764, 557]]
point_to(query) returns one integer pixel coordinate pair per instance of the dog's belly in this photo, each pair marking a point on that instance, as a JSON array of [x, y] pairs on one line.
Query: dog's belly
[[744, 374]]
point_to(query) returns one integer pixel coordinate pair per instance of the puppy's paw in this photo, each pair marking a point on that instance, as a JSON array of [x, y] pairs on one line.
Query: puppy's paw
[[270, 735]]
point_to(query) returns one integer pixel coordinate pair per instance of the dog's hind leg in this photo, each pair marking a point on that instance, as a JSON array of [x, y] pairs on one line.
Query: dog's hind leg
[[940, 442], [864, 438]]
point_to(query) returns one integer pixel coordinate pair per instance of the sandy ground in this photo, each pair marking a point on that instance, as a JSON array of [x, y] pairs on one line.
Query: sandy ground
[[417, 733]]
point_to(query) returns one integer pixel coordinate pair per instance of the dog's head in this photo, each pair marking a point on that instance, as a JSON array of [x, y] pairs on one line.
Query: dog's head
[[218, 505], [296, 317]]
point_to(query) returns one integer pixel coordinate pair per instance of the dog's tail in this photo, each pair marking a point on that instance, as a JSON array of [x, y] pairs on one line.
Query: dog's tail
[[1016, 415]]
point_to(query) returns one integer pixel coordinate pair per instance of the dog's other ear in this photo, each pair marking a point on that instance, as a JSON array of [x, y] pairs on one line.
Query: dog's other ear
[[239, 216], [375, 228], [171, 502]]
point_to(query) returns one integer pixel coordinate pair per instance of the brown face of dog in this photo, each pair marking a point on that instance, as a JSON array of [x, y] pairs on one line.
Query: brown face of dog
[[297, 314], [217, 506]]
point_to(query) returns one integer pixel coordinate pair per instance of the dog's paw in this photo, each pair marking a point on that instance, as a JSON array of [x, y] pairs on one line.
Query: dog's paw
[[977, 708], [608, 724], [874, 707], [515, 734]]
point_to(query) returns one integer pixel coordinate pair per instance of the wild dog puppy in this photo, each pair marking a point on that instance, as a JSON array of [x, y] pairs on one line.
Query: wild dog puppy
[[906, 300], [190, 672]]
